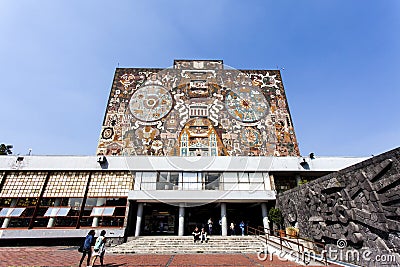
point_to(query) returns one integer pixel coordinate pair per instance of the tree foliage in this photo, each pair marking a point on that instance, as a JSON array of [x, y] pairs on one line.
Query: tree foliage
[[275, 215], [5, 149]]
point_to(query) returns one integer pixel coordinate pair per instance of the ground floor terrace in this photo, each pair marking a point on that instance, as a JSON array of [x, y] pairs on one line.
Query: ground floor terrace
[[217, 218]]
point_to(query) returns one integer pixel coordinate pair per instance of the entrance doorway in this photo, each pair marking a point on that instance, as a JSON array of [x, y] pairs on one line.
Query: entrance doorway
[[249, 213], [199, 216], [159, 219]]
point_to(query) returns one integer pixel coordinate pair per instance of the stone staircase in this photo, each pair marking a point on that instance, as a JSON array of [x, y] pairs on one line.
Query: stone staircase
[[185, 245], [216, 244]]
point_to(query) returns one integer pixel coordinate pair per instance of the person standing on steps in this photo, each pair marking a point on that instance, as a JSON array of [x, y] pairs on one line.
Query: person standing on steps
[[100, 248], [241, 225], [232, 228], [87, 247], [203, 235], [210, 226]]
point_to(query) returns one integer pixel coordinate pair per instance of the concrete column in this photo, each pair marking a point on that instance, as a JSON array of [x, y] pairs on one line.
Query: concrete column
[[99, 202], [298, 179], [7, 220], [224, 226], [51, 221], [181, 226], [264, 213], [139, 218], [168, 186]]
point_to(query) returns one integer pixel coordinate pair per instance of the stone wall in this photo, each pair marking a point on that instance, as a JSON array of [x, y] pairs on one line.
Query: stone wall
[[357, 208]]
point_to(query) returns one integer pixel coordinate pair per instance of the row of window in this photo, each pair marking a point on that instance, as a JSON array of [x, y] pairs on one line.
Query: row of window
[[63, 212], [202, 181], [57, 212]]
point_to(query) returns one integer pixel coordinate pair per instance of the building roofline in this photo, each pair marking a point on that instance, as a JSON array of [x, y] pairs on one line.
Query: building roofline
[[151, 163]]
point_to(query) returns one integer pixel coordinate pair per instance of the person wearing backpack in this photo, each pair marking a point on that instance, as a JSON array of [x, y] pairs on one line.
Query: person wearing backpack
[[99, 248], [87, 247]]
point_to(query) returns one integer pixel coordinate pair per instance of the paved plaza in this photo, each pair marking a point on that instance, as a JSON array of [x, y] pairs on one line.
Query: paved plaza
[[69, 256]]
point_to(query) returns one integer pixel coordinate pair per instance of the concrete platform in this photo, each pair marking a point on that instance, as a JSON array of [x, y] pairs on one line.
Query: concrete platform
[[69, 256]]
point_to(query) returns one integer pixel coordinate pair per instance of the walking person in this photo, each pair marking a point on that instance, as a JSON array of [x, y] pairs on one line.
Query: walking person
[[87, 248], [100, 248]]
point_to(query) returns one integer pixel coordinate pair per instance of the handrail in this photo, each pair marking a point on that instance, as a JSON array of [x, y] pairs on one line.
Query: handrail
[[266, 234]]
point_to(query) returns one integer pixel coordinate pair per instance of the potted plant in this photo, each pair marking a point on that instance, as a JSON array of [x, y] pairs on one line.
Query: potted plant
[[275, 216], [292, 231]]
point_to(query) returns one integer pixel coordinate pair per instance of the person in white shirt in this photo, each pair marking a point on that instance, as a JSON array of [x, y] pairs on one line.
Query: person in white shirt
[[99, 248]]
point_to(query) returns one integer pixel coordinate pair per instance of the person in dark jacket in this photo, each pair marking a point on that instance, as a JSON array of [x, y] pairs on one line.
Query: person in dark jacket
[[87, 247]]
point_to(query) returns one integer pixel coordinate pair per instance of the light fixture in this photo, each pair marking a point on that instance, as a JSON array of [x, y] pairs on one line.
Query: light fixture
[[303, 163]]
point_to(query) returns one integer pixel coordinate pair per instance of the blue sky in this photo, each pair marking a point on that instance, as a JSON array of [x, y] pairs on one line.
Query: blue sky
[[341, 60]]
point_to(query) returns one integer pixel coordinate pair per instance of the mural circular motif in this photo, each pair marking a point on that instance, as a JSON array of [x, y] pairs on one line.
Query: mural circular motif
[[246, 104], [107, 133], [150, 103]]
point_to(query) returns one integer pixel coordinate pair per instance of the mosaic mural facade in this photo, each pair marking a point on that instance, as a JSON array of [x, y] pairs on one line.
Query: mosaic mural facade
[[197, 108]]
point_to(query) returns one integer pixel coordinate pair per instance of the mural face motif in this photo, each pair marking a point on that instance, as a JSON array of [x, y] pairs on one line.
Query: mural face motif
[[197, 108]]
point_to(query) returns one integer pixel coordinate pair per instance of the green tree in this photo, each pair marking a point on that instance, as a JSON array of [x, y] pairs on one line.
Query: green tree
[[5, 149], [275, 216]]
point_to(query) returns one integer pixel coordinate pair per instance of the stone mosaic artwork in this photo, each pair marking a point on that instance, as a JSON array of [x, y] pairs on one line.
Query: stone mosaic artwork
[[360, 205], [197, 108]]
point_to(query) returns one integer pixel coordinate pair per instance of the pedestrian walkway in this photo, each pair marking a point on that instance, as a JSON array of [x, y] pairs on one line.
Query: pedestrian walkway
[[69, 256]]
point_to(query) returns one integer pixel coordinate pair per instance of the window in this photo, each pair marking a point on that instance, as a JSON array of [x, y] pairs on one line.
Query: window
[[102, 211], [174, 180], [244, 182], [211, 180], [149, 180], [11, 212], [56, 212], [256, 181], [230, 180], [107, 211], [65, 211], [191, 180], [162, 181]]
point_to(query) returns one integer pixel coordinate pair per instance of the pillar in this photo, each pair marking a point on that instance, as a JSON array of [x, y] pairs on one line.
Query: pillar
[[7, 220], [168, 185], [139, 219], [181, 226], [264, 213], [224, 224], [100, 202], [52, 219]]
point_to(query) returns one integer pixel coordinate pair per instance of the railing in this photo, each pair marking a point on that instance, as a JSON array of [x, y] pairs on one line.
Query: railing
[[283, 242]]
